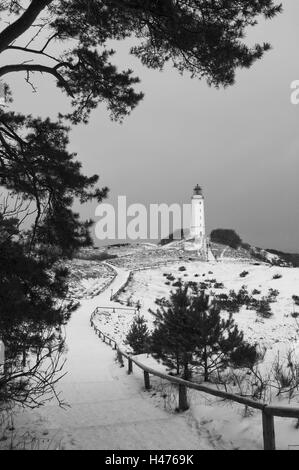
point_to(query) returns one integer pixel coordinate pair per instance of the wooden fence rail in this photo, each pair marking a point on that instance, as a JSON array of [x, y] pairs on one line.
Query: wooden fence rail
[[268, 411], [131, 309]]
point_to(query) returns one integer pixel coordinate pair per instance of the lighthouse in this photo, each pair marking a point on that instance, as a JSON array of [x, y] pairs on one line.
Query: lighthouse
[[197, 240], [198, 226]]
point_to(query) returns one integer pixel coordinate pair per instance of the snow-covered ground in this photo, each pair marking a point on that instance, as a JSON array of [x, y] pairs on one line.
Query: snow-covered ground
[[110, 410], [226, 423], [88, 278], [276, 333], [107, 408]]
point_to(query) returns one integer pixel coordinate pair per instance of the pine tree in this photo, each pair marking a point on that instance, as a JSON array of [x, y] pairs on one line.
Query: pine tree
[[174, 340], [138, 336], [31, 319], [190, 333], [204, 38], [219, 341]]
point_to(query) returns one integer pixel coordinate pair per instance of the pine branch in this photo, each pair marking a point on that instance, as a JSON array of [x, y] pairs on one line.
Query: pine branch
[[37, 68], [23, 23]]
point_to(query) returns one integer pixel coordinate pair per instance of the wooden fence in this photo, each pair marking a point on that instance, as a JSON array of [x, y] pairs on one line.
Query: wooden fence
[[268, 411], [126, 309]]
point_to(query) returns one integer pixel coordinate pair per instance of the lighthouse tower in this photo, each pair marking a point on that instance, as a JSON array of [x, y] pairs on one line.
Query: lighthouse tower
[[197, 239], [198, 226]]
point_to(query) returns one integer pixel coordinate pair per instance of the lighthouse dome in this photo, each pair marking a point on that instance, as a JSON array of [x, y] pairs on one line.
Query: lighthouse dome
[[197, 190]]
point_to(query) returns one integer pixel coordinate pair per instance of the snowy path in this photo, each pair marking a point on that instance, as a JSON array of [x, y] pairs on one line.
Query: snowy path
[[108, 409]]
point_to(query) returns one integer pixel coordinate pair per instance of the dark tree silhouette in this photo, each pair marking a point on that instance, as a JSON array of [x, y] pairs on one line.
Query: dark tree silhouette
[[220, 343], [174, 338], [31, 318], [138, 335], [226, 237], [35, 163], [204, 38], [190, 332]]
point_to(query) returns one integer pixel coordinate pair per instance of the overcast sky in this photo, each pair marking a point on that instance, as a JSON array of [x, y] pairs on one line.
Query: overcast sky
[[240, 144]]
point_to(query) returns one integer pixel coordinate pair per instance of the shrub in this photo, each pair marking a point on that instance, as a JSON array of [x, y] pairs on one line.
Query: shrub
[[229, 303], [264, 308], [273, 294], [286, 374], [226, 237], [218, 285], [296, 299], [176, 284], [244, 273], [243, 296], [182, 268], [256, 292], [203, 286]]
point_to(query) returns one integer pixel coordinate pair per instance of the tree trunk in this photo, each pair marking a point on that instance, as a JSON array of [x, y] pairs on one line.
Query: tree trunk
[[186, 374], [206, 369], [177, 364], [23, 23]]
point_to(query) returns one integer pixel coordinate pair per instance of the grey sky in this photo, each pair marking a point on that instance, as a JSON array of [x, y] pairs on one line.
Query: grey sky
[[241, 144]]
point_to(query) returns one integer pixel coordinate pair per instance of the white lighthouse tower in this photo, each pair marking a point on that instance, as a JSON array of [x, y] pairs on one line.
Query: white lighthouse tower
[[197, 239], [198, 226]]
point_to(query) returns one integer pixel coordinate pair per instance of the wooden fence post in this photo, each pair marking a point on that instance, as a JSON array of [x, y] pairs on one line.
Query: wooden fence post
[[130, 366], [120, 358], [183, 402], [268, 431], [147, 382]]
